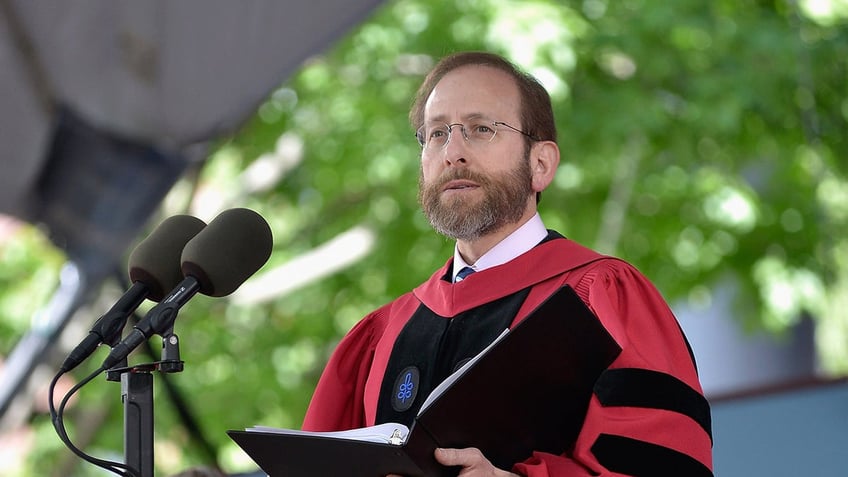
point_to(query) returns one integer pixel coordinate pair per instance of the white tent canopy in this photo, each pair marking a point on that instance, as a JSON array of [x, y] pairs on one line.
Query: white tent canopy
[[172, 74]]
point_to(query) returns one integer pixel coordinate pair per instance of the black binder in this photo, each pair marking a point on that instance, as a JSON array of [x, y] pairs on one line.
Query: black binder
[[528, 391]]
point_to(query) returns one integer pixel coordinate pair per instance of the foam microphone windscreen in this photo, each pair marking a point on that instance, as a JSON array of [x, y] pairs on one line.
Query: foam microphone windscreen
[[228, 251], [155, 261]]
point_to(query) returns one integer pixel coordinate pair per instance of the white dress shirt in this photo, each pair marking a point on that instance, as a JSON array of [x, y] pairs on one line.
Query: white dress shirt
[[521, 240]]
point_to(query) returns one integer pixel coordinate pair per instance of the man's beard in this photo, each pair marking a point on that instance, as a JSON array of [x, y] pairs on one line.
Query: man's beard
[[504, 202]]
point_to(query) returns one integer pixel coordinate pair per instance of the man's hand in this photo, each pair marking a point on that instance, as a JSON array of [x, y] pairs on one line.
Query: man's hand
[[473, 462]]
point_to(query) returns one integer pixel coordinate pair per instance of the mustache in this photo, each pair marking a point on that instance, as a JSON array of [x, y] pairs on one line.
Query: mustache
[[459, 174]]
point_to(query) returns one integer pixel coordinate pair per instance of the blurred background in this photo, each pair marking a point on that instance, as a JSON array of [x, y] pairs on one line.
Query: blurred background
[[703, 141]]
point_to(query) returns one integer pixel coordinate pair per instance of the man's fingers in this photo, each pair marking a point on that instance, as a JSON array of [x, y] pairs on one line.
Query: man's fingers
[[446, 456], [464, 457]]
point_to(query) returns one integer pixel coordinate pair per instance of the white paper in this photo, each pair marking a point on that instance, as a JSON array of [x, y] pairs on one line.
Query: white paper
[[387, 433]]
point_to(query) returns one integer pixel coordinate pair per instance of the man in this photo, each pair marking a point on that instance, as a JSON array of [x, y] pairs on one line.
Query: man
[[488, 150]]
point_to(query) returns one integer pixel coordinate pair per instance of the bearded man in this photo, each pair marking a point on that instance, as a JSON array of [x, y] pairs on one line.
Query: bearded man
[[489, 149]]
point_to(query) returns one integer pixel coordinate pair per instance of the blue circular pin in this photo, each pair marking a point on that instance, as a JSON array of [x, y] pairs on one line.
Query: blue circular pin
[[405, 389]]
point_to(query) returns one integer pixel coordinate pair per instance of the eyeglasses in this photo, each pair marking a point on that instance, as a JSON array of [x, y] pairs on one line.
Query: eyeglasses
[[479, 132]]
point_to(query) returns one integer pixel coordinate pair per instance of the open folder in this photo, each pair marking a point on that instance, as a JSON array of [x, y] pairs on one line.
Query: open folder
[[528, 391]]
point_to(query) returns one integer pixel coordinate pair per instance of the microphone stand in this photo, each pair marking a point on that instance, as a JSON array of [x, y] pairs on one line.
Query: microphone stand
[[137, 396]]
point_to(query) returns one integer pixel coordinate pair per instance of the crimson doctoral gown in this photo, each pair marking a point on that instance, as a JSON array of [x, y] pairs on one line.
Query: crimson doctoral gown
[[647, 414]]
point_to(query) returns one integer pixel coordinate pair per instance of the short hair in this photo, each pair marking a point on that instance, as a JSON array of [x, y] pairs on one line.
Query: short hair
[[536, 113]]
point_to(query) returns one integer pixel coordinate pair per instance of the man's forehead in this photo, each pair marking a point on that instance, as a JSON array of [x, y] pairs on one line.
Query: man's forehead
[[464, 117], [472, 91]]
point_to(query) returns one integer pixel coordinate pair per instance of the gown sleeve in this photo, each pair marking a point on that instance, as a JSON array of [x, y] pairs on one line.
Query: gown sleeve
[[338, 401], [647, 414]]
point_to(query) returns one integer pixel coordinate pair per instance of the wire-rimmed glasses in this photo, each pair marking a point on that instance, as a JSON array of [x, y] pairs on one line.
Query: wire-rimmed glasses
[[437, 136]]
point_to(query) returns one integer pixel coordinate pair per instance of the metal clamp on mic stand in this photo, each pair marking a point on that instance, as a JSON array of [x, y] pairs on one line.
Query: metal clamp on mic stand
[[137, 396]]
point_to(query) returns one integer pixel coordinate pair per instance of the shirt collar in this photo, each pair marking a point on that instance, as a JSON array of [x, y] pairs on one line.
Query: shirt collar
[[519, 241]]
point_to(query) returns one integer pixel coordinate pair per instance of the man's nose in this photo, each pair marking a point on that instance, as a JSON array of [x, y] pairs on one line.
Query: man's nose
[[456, 150]]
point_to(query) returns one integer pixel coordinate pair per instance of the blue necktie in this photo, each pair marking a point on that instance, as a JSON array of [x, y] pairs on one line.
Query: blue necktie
[[463, 273]]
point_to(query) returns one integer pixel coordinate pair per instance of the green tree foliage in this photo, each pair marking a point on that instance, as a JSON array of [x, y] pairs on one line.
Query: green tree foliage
[[703, 141]]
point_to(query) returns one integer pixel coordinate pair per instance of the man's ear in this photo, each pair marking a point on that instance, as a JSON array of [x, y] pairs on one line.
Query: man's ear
[[544, 160]]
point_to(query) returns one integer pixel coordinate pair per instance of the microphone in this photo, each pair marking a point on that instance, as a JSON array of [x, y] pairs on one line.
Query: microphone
[[154, 266], [215, 262]]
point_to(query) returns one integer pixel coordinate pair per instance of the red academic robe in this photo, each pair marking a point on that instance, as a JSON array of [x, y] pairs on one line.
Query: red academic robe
[[647, 415]]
